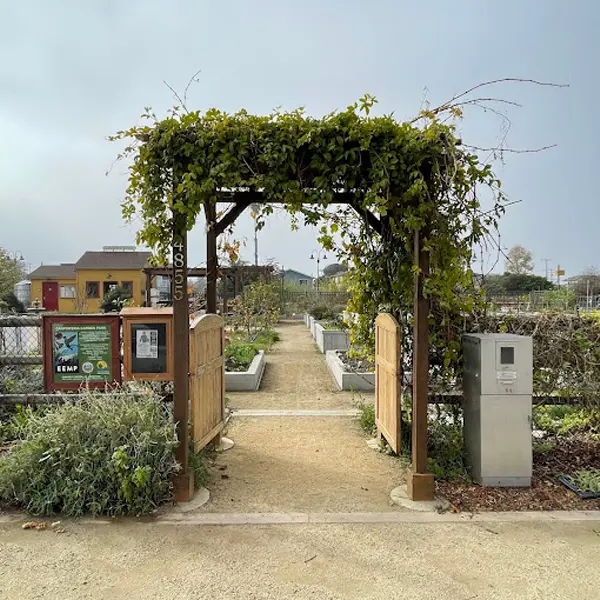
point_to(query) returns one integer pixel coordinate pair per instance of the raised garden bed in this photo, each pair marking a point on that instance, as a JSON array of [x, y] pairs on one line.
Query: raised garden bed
[[313, 327], [249, 380], [330, 339], [358, 379]]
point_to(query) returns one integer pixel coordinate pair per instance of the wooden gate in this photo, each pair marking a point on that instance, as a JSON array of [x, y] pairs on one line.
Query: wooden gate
[[207, 379], [387, 380]]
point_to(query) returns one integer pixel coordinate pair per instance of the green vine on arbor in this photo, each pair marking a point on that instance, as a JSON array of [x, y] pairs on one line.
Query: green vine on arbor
[[405, 176]]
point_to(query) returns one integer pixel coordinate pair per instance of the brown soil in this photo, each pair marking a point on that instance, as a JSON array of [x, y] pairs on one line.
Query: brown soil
[[567, 455]]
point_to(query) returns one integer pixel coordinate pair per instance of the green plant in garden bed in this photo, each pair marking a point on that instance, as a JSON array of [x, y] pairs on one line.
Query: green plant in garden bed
[[239, 352], [110, 453], [239, 356]]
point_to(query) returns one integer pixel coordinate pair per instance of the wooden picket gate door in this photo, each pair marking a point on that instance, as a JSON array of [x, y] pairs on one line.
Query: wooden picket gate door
[[387, 380], [207, 379]]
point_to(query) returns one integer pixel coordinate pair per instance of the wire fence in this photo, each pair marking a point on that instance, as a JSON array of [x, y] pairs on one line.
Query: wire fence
[[21, 367], [299, 302]]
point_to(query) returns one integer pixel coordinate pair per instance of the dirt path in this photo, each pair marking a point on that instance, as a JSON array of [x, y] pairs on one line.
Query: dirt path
[[524, 561], [296, 377], [300, 464]]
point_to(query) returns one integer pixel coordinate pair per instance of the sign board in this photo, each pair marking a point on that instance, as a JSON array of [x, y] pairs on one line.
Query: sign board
[[147, 343], [560, 272], [81, 350]]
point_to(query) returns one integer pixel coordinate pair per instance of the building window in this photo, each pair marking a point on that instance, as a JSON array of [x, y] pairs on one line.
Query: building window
[[302, 281], [109, 285], [127, 286], [67, 291], [92, 289]]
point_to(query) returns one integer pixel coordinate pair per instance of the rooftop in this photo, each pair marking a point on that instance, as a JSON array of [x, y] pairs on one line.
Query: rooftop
[[113, 260], [62, 271]]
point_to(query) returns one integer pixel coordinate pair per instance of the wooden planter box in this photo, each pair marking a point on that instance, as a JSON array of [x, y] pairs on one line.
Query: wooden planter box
[[246, 381], [330, 339]]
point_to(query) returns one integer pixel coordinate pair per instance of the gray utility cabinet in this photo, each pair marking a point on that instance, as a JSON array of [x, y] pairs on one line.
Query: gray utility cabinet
[[498, 387]]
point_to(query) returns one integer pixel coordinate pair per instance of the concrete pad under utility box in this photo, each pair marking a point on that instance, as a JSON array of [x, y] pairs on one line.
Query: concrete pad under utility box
[[330, 339], [246, 381], [360, 382]]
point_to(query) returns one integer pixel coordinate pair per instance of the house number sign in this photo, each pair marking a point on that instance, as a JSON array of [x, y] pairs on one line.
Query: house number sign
[[179, 269]]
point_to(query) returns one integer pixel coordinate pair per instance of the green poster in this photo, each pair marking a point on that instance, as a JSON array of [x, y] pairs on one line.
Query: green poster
[[81, 353]]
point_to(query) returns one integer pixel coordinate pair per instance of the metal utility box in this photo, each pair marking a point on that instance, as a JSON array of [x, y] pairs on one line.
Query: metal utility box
[[498, 388], [147, 344]]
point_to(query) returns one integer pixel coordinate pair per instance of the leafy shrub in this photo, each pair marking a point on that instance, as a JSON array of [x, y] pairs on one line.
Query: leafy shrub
[[321, 313], [116, 299], [265, 339], [445, 443], [110, 454], [257, 309], [564, 420], [21, 380], [239, 355], [367, 418], [446, 450]]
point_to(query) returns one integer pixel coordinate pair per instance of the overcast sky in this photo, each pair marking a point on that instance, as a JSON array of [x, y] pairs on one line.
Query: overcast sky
[[73, 72]]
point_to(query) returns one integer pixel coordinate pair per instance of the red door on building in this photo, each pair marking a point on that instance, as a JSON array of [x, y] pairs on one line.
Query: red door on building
[[50, 295]]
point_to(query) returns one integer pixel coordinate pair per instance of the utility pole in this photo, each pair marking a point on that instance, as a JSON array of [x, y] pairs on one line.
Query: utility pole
[[547, 261]]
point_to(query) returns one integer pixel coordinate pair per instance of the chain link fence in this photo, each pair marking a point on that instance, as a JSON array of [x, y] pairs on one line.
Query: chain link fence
[[21, 367]]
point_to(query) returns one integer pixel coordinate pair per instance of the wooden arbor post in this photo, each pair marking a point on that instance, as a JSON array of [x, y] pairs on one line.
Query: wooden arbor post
[[184, 483], [211, 257], [420, 483]]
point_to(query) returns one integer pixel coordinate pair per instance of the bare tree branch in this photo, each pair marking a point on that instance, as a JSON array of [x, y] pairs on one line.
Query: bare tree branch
[[193, 79]]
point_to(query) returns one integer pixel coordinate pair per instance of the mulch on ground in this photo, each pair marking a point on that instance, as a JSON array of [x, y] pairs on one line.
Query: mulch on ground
[[577, 452]]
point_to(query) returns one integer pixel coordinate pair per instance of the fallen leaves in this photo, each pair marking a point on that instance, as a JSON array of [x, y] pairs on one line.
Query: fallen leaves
[[42, 526], [546, 493]]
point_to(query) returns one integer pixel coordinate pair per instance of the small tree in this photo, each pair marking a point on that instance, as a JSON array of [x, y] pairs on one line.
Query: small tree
[[116, 299], [519, 261], [334, 269], [12, 303], [11, 272], [257, 309]]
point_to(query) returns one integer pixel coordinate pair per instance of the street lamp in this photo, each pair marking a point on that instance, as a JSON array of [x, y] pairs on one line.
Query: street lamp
[[16, 256], [316, 255]]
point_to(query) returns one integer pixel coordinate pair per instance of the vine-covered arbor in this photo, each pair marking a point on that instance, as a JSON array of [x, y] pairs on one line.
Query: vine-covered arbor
[[411, 187]]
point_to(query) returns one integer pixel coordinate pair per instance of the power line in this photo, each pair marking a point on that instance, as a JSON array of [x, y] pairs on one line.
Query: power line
[[547, 261]]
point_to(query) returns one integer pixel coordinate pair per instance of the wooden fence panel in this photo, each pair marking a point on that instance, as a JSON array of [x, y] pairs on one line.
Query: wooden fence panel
[[207, 379], [387, 380]]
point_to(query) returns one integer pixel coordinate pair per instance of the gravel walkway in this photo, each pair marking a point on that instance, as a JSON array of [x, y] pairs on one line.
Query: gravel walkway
[[296, 376], [469, 561], [300, 464]]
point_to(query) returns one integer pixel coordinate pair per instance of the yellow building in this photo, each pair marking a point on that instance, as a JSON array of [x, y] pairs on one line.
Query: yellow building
[[80, 287], [54, 287]]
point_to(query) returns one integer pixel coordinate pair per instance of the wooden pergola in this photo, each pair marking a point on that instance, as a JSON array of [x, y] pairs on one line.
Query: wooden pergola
[[420, 482], [235, 273]]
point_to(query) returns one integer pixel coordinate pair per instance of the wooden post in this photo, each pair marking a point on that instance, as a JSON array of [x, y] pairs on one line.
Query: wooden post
[[225, 282], [184, 483], [420, 484], [211, 257], [149, 278]]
